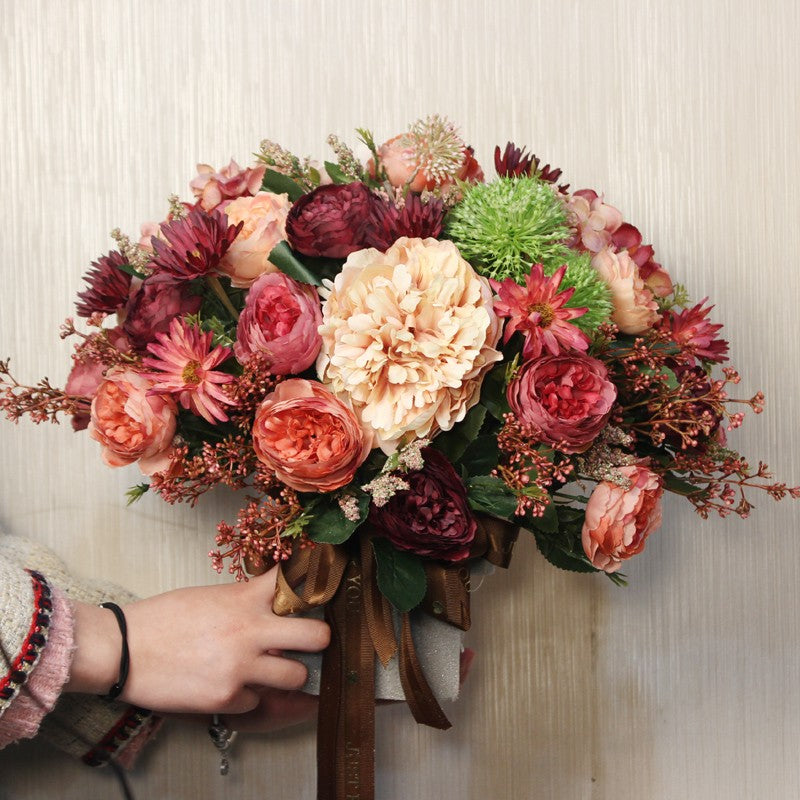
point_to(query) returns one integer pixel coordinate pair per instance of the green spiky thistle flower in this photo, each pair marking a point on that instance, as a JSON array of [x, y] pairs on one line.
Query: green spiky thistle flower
[[503, 227]]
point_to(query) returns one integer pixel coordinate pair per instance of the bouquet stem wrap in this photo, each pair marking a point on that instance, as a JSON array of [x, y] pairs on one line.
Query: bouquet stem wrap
[[343, 581]]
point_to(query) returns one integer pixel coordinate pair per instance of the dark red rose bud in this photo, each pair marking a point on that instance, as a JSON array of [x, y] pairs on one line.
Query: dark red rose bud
[[417, 220], [329, 222], [432, 518]]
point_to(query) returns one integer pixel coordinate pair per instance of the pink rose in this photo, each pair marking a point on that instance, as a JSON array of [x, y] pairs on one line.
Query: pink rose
[[280, 318], [263, 219], [635, 309], [566, 398], [212, 187], [130, 424], [312, 440], [619, 520]]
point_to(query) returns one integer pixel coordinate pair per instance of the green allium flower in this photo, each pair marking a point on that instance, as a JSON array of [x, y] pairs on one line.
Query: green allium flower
[[590, 289], [503, 227]]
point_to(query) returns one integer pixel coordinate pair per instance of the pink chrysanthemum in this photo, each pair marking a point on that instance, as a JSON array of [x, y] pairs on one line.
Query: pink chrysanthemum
[[184, 366], [537, 310], [192, 247], [695, 334], [109, 286]]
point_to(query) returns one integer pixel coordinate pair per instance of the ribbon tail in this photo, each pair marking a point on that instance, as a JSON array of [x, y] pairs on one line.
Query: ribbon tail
[[421, 700]]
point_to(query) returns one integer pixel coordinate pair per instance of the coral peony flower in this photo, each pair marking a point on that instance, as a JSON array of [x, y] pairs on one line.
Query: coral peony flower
[[567, 399], [212, 187], [407, 337], [183, 364], [109, 286], [618, 520], [430, 155], [88, 373], [635, 310], [387, 223], [312, 440], [537, 311], [695, 334], [330, 221], [281, 318], [432, 517], [152, 308], [263, 221], [191, 247], [130, 423]]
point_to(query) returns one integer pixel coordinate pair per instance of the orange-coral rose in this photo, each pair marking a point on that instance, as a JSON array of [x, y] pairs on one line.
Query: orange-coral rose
[[312, 440], [130, 424], [264, 226], [618, 520], [635, 309]]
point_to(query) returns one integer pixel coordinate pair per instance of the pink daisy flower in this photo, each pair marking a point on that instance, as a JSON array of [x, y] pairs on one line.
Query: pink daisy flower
[[695, 334], [183, 365], [537, 311]]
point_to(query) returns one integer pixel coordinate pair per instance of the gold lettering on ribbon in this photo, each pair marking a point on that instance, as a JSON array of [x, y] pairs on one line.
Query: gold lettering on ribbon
[[352, 755]]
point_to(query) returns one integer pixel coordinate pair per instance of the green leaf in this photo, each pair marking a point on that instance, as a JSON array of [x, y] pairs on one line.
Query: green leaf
[[454, 442], [548, 522], [493, 392], [279, 183], [679, 486], [561, 556], [400, 575], [336, 173], [329, 524], [491, 495], [481, 456], [131, 271], [286, 261]]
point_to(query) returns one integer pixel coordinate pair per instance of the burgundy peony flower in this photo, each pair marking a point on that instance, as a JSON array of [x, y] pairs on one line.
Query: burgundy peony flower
[[432, 518], [280, 318], [108, 288], [330, 221], [151, 309], [192, 246], [567, 399], [417, 220]]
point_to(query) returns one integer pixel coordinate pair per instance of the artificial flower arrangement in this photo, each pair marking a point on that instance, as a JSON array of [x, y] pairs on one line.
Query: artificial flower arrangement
[[403, 363]]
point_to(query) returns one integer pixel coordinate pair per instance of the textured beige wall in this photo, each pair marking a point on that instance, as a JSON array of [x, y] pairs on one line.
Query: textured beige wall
[[684, 685]]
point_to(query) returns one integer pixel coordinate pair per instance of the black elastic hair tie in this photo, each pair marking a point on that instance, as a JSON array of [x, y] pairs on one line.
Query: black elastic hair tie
[[124, 660]]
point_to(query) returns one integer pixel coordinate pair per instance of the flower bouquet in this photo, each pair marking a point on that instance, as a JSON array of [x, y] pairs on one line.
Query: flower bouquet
[[402, 363]]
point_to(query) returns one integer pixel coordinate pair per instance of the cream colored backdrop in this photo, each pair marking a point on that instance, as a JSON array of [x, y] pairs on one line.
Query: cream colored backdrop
[[685, 113]]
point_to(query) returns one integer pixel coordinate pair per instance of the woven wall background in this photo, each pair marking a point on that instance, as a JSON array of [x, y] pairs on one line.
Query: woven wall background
[[685, 684]]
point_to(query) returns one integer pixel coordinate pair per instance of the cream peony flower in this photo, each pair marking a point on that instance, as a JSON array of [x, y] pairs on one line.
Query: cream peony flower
[[407, 337]]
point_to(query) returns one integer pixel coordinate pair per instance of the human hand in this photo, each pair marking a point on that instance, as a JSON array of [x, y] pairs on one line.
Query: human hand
[[209, 649]]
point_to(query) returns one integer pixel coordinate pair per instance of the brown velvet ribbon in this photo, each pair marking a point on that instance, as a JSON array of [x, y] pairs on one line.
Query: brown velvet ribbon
[[362, 628]]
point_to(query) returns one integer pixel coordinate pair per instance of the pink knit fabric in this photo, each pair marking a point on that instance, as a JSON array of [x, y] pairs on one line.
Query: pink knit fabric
[[43, 687]]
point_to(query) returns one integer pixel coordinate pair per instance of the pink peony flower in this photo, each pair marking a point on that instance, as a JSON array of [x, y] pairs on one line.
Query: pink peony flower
[[538, 312], [407, 337], [312, 440], [567, 399], [618, 520], [152, 308], [635, 310], [695, 334], [263, 221], [213, 188], [594, 220], [183, 364], [281, 318], [130, 423]]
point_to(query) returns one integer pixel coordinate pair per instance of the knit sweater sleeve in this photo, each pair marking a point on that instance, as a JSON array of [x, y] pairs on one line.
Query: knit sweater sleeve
[[36, 647]]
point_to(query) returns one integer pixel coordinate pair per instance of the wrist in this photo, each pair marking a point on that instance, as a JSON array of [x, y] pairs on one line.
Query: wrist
[[98, 641]]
